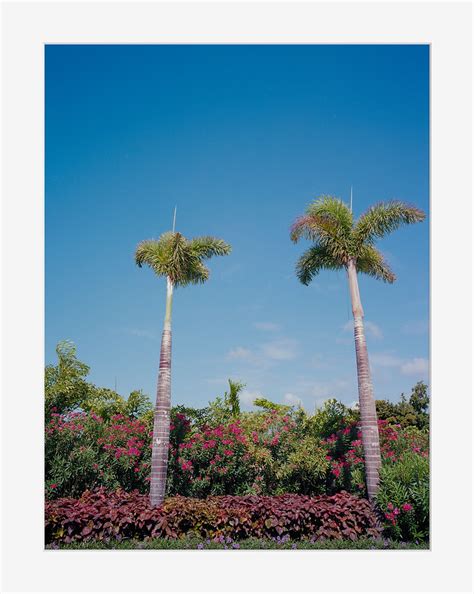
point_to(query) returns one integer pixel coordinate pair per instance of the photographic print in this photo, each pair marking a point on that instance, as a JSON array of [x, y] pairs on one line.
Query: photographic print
[[237, 297]]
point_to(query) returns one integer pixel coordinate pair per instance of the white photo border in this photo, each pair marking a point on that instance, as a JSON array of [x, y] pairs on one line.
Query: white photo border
[[27, 27]]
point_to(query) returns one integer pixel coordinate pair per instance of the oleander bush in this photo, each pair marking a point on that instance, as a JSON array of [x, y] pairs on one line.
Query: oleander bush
[[404, 497], [103, 516]]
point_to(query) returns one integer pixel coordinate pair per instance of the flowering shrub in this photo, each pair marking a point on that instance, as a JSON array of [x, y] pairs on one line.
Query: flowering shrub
[[101, 515], [346, 454], [83, 452], [212, 461], [404, 497]]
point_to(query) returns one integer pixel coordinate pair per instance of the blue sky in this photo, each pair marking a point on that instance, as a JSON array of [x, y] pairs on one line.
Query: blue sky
[[241, 139]]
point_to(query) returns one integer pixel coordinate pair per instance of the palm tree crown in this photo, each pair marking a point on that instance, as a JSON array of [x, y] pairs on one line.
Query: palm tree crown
[[337, 238], [180, 259]]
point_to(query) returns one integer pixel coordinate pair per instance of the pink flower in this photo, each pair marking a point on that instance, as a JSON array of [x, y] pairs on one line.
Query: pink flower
[[390, 506], [407, 507], [228, 452], [53, 486]]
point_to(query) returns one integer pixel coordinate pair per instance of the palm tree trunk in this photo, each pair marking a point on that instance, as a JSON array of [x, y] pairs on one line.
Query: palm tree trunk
[[368, 414], [161, 426]]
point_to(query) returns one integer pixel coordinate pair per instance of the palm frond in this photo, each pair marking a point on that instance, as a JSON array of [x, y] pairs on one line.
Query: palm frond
[[315, 259], [334, 209], [328, 221], [383, 218], [371, 262], [173, 256], [206, 247]]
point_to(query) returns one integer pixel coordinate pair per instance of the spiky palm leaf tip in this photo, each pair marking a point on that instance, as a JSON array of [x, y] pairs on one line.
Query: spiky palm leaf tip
[[337, 238], [180, 259]]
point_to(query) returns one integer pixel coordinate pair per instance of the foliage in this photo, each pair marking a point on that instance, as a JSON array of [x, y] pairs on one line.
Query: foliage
[[180, 259], [346, 454], [330, 418], [65, 385], [329, 224], [413, 412], [404, 497], [82, 451], [102, 515], [193, 542], [66, 390], [268, 405]]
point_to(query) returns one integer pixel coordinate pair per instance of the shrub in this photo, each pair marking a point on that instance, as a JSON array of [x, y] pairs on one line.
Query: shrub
[[346, 453], [84, 452], [213, 461], [404, 497], [119, 515], [304, 469]]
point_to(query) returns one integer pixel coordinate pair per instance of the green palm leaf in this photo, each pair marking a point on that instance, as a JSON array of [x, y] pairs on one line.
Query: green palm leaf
[[383, 218], [179, 259]]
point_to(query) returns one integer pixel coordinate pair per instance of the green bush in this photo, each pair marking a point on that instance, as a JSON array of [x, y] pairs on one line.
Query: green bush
[[404, 497]]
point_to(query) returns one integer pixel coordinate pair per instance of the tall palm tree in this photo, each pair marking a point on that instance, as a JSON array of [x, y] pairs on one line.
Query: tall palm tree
[[181, 261], [342, 243]]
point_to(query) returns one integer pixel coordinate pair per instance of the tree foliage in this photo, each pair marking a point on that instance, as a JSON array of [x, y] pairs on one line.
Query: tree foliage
[[337, 238], [180, 259], [67, 390]]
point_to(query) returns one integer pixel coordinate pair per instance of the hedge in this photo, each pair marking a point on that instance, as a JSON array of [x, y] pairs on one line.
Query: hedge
[[104, 516]]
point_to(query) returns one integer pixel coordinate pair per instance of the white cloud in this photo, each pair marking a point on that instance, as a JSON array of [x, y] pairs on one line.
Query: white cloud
[[384, 360], [247, 397], [323, 390], [371, 328], [292, 400], [266, 326], [280, 350], [239, 353], [417, 366]]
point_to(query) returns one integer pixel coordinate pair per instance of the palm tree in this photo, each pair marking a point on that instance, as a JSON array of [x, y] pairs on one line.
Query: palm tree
[[340, 242], [180, 261]]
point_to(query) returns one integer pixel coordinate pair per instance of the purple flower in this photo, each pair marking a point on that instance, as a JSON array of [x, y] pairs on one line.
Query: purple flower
[[200, 546], [236, 545], [293, 546]]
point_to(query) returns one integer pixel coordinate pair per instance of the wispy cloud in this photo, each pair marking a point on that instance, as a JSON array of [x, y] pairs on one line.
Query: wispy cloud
[[414, 366], [417, 366], [384, 360], [248, 397], [264, 355], [371, 328], [292, 399], [239, 353], [280, 350], [321, 390], [267, 326]]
